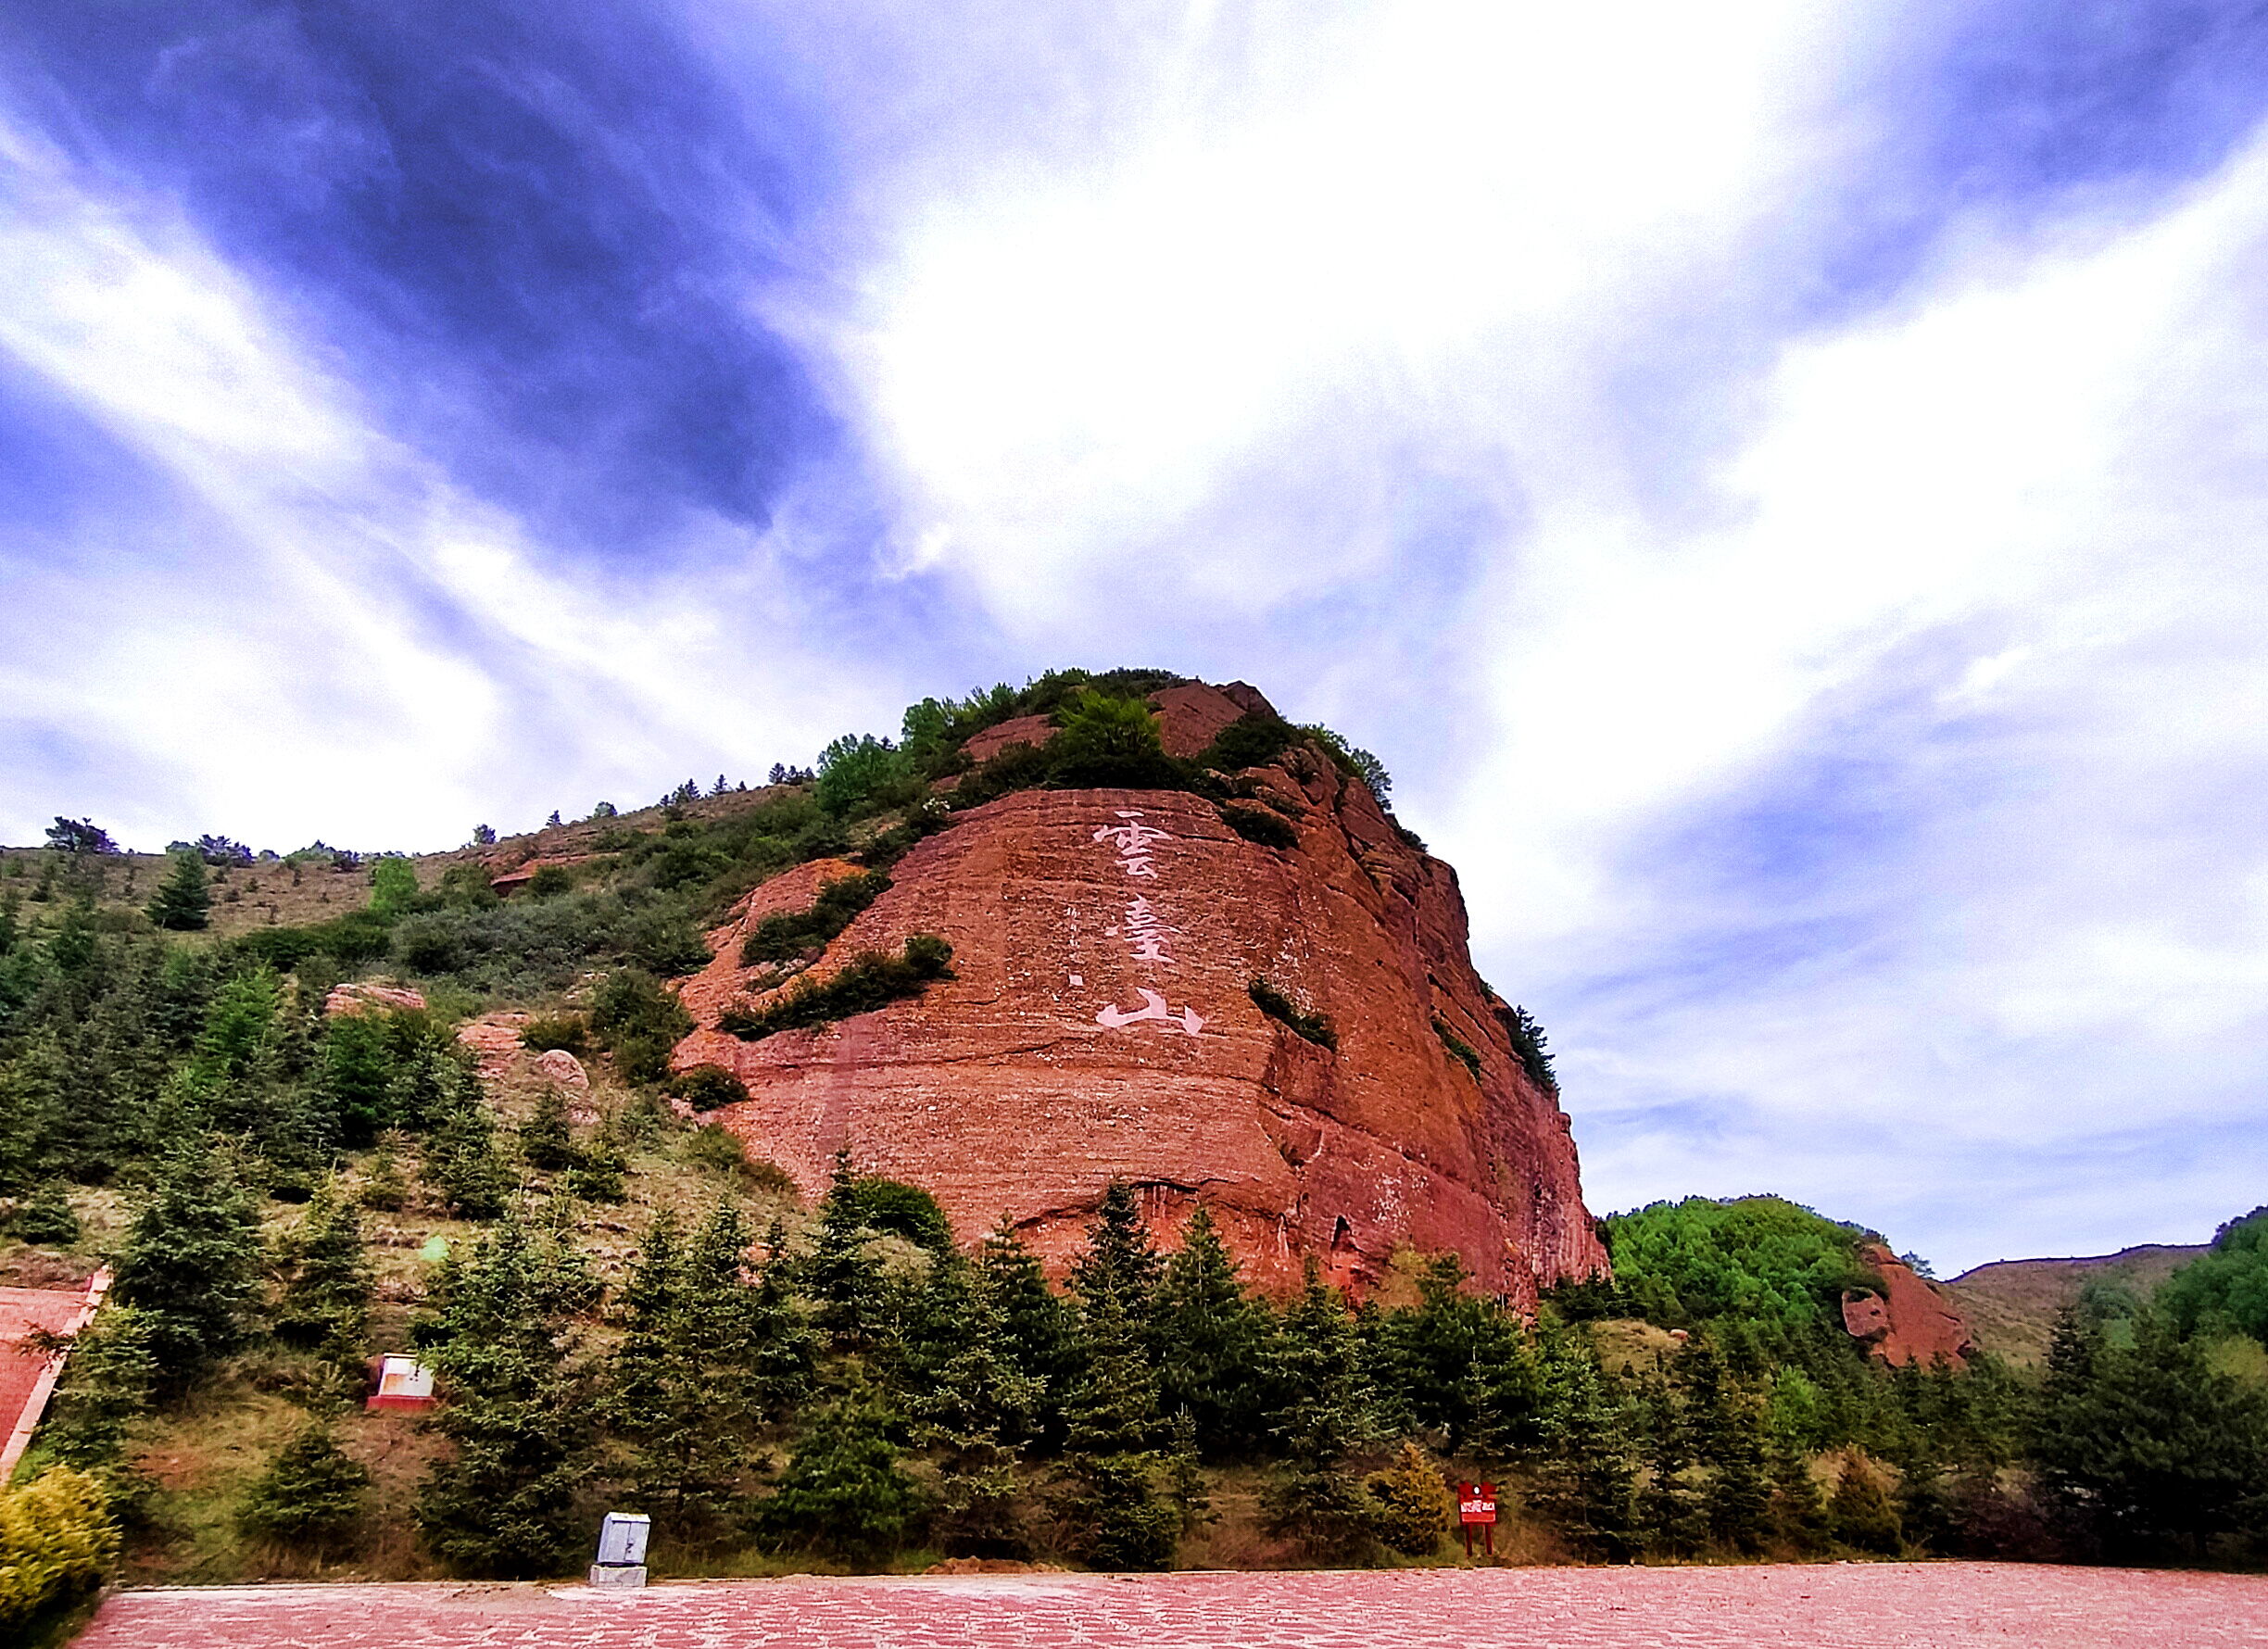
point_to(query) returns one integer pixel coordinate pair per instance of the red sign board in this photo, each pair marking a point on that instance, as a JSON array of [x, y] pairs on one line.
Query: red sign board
[[1476, 1503]]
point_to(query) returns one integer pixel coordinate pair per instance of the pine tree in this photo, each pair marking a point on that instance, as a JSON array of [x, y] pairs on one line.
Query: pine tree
[[183, 901], [325, 1301], [975, 1407], [463, 1165], [1038, 1322], [1211, 1339], [101, 1406], [192, 1265], [1670, 1519], [1318, 1500], [546, 1141], [311, 1495], [689, 1394], [1861, 1513], [1798, 1511], [1413, 1504], [841, 1272], [843, 1491], [1113, 1426], [384, 1188], [1587, 1476], [520, 1410]]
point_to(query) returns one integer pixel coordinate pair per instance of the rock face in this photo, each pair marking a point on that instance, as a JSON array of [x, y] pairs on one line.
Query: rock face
[[1100, 1026], [1910, 1320], [371, 999]]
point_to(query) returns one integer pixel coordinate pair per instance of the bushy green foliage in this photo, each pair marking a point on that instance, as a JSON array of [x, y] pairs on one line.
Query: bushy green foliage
[[2223, 1291], [1359, 763], [544, 1032], [707, 1087], [638, 1022], [2145, 1453], [1277, 1006], [1327, 1412], [1254, 739], [1779, 1269], [56, 1542], [1413, 1504], [1527, 1045], [1464, 1052], [844, 1493], [1212, 1341], [520, 1411], [183, 901], [311, 1496], [870, 979], [1258, 824], [1112, 742], [327, 1278], [785, 937], [859, 775], [546, 1141], [394, 885], [47, 1217], [191, 1264]]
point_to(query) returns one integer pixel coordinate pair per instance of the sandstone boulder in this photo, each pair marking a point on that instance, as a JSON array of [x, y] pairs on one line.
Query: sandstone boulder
[[371, 999], [557, 1064], [1100, 1026]]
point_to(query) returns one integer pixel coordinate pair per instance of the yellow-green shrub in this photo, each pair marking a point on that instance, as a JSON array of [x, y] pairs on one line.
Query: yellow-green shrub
[[55, 1540]]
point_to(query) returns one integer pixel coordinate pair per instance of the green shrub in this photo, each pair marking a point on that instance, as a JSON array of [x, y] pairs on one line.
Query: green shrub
[[1256, 824], [310, 1496], [55, 1540], [716, 1148], [393, 886], [859, 775], [904, 1210], [1315, 1028], [546, 1031], [1413, 1504], [1111, 742], [1527, 1037], [2226, 1289], [1464, 1052], [705, 1088], [1255, 739], [639, 1023], [870, 979], [784, 938], [549, 881], [46, 1218]]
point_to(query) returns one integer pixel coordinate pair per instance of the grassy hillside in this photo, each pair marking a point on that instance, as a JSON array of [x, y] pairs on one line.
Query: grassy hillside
[[2011, 1304]]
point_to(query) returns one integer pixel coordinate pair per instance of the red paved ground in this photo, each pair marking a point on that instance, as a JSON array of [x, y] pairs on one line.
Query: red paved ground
[[1821, 1606]]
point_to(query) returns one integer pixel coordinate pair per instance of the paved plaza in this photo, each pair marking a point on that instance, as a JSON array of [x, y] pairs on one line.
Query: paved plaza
[[1937, 1605]]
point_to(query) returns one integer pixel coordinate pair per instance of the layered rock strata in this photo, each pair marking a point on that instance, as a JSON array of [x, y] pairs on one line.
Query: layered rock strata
[[1099, 1025]]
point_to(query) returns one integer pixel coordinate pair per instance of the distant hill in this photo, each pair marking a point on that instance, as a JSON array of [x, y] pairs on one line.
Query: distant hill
[[2011, 1304]]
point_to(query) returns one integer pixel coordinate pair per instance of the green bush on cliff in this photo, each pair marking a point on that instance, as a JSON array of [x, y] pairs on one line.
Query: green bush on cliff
[[870, 979], [1315, 1028], [1777, 1267], [785, 936]]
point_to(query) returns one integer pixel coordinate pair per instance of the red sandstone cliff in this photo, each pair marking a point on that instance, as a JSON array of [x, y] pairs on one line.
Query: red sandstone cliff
[[1100, 1026], [1911, 1320]]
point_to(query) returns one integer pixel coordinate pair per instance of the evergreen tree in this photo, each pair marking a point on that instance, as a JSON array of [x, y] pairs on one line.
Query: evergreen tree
[[1669, 1515], [1587, 1478], [102, 1404], [183, 901], [1319, 1501], [843, 1491], [841, 1272], [1036, 1322], [2144, 1451], [463, 1164], [325, 1302], [310, 1496], [975, 1408], [1212, 1345], [519, 1407], [1413, 1504], [384, 1189], [1798, 1511], [1861, 1513], [191, 1266], [689, 1389], [355, 1075], [546, 1141], [1113, 1426]]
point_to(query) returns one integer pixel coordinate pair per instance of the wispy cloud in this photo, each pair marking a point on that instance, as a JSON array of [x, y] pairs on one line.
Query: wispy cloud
[[1782, 487]]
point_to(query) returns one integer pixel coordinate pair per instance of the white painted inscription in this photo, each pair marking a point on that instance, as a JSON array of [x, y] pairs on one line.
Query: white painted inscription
[[1146, 932]]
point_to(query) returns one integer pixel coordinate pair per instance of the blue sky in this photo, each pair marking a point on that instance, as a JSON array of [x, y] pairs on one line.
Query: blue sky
[[1784, 487]]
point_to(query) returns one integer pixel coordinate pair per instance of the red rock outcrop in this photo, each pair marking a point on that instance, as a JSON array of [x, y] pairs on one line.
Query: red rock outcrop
[[1911, 1321], [1100, 1026], [359, 998]]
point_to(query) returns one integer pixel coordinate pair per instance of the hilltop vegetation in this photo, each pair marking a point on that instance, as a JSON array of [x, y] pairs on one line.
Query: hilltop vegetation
[[623, 1307]]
